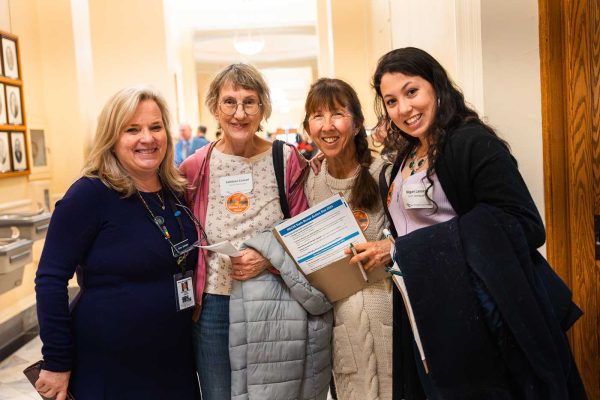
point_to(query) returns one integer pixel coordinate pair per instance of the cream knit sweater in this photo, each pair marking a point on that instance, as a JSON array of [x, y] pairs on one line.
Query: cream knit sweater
[[362, 335]]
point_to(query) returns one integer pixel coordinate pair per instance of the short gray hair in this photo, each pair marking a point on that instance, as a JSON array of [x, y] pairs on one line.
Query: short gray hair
[[243, 76]]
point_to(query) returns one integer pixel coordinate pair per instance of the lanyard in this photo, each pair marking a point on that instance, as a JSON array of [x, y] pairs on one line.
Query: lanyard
[[159, 222]]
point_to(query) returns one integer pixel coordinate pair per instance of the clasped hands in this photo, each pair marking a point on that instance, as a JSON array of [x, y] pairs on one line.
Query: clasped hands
[[250, 264]]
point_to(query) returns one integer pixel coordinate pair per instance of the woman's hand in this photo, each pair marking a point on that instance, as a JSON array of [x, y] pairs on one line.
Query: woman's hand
[[372, 254], [51, 384], [250, 264], [315, 163]]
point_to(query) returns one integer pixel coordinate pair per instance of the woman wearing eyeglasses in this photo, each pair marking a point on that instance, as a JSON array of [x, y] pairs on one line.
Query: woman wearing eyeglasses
[[235, 196], [123, 230]]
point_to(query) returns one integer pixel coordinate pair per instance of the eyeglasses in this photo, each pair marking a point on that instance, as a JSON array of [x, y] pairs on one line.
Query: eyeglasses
[[321, 118], [250, 107]]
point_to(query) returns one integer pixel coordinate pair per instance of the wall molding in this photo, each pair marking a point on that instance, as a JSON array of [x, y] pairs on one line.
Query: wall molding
[[17, 205], [470, 51]]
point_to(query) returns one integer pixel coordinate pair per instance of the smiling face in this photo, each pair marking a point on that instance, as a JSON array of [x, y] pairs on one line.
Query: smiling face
[[239, 127], [410, 102], [142, 143], [333, 132]]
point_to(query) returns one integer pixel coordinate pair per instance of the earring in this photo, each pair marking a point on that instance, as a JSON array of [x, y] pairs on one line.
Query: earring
[[438, 101]]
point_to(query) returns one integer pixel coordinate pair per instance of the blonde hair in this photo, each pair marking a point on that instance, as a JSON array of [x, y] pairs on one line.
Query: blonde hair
[[117, 112], [243, 76]]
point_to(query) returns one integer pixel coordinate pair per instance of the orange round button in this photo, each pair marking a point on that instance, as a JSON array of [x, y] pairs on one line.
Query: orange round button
[[237, 203], [362, 218]]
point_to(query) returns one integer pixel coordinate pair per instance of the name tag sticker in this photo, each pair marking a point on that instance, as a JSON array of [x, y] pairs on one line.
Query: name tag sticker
[[235, 184], [413, 195]]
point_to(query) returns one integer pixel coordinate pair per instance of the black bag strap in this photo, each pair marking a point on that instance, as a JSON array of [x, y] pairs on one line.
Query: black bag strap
[[383, 192], [279, 175]]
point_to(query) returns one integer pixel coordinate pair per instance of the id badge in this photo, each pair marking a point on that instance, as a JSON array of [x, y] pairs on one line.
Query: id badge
[[179, 249], [235, 184], [184, 290], [414, 195]]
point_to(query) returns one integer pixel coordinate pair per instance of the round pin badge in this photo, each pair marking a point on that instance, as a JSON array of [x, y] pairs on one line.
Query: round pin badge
[[362, 218], [237, 203]]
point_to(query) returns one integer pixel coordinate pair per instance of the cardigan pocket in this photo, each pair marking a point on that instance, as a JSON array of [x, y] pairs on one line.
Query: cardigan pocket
[[343, 356], [387, 336]]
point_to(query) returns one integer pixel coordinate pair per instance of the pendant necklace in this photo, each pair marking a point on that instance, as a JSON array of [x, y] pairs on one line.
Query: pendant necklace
[[415, 163]]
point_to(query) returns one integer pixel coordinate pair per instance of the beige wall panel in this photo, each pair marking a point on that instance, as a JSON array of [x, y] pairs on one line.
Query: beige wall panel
[[66, 130], [4, 16], [204, 78], [129, 43], [360, 34]]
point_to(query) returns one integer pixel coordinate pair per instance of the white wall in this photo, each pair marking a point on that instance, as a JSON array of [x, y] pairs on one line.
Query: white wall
[[512, 88], [450, 31]]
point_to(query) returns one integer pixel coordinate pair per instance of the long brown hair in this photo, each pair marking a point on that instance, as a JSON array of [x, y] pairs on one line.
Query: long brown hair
[[452, 111], [331, 94]]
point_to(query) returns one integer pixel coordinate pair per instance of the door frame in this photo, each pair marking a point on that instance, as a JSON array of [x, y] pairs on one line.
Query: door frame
[[570, 82]]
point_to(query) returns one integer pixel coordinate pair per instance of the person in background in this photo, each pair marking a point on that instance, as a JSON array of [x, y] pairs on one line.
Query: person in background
[[200, 139], [362, 335], [123, 229], [490, 312], [235, 194], [183, 147]]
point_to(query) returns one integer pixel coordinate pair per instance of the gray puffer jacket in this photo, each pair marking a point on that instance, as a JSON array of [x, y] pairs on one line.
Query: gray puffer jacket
[[279, 333]]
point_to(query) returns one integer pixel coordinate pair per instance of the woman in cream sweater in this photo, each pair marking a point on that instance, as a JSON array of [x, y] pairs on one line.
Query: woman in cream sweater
[[362, 346]]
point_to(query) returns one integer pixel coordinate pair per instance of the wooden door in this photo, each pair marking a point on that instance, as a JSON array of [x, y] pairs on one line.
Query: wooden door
[[570, 74]]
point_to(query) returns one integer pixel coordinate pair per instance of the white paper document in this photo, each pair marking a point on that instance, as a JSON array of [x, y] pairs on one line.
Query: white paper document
[[318, 236], [224, 247]]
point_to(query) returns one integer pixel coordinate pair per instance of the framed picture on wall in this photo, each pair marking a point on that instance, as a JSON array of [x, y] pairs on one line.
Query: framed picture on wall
[[19, 156], [9, 58], [13, 102], [3, 119], [4, 153], [38, 148]]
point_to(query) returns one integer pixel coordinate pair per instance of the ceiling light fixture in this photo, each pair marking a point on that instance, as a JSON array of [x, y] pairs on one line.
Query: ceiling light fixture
[[248, 44]]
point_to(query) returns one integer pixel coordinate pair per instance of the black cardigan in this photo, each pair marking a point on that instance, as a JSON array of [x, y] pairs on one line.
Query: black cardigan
[[475, 167]]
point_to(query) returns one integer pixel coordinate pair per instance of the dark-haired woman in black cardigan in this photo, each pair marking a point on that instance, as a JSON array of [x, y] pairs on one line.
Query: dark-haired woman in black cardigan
[[490, 312]]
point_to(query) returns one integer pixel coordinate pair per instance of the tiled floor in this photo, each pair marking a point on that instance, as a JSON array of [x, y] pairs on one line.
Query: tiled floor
[[13, 384]]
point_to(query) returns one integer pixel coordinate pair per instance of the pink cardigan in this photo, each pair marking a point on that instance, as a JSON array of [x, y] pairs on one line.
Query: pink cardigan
[[196, 169]]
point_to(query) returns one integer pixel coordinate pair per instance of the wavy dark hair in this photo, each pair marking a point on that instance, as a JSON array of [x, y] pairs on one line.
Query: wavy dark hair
[[331, 94], [452, 110]]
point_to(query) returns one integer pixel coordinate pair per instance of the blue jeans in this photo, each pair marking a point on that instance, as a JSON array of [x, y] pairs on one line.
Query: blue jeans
[[211, 345]]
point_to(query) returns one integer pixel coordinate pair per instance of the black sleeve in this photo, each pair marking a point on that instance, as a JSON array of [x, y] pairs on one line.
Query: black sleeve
[[494, 179], [73, 227]]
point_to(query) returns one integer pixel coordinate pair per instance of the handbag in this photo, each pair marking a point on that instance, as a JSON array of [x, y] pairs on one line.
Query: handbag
[[33, 373]]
